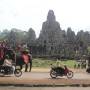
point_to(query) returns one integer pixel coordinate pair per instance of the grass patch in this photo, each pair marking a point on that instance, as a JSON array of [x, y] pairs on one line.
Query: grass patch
[[46, 63]]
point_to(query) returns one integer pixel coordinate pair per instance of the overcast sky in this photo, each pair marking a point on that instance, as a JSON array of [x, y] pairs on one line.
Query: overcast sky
[[23, 14]]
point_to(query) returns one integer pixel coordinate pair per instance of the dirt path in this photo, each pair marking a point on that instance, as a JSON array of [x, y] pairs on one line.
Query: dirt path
[[43, 78]]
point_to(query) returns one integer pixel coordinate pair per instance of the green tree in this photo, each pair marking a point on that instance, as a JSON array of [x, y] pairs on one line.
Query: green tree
[[31, 37]]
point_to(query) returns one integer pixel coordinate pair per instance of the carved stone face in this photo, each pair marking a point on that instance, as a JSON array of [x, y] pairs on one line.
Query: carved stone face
[[51, 16]]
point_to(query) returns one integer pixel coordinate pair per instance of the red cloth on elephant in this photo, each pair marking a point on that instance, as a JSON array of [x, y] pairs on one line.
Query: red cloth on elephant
[[1, 54], [26, 58]]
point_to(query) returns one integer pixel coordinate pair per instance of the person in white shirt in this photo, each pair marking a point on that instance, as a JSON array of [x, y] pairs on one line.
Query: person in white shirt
[[8, 63]]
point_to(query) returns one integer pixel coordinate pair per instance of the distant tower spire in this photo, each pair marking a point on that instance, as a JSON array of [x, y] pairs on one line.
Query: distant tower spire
[[51, 16]]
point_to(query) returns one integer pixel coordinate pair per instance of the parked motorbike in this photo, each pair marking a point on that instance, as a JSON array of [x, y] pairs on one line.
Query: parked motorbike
[[59, 71], [10, 70]]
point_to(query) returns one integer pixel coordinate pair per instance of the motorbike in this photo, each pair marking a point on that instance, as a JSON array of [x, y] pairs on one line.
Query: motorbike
[[59, 71], [10, 70]]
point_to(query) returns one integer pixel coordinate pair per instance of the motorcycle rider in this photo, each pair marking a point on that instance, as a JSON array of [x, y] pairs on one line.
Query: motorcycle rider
[[60, 67], [8, 64]]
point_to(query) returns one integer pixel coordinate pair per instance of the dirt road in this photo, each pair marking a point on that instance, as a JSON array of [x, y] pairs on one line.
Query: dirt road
[[43, 78]]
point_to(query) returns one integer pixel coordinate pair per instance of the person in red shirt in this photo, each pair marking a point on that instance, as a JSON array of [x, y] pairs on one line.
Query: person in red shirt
[[27, 59]]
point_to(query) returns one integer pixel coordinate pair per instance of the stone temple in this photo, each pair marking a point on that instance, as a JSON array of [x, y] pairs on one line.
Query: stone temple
[[51, 34]]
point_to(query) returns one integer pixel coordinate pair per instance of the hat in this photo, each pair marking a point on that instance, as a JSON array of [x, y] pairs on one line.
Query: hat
[[27, 50], [7, 57]]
